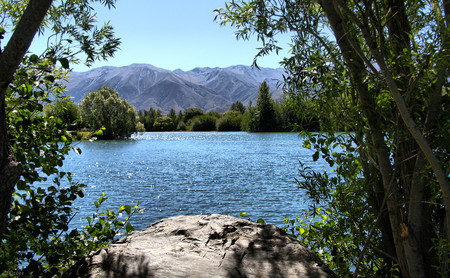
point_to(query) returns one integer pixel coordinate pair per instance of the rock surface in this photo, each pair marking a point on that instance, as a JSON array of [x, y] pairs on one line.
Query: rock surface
[[205, 246]]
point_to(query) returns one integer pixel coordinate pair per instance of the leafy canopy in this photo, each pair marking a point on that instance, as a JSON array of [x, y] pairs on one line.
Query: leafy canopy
[[104, 108], [38, 239], [380, 70]]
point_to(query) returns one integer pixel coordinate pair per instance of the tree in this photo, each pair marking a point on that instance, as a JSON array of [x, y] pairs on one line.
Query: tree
[[104, 108], [72, 23], [238, 107], [148, 119], [383, 75], [191, 113], [203, 123], [63, 109], [140, 127], [164, 124], [172, 114], [230, 121], [36, 240], [264, 115]]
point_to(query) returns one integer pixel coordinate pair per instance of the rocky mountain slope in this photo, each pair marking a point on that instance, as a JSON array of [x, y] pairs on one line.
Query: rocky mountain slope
[[146, 86]]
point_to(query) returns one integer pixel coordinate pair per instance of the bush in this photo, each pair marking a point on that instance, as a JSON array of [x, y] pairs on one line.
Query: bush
[[230, 121], [203, 123], [164, 124], [181, 126], [191, 113]]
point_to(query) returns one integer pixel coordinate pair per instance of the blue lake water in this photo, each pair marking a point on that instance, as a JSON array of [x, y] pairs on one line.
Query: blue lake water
[[188, 173]]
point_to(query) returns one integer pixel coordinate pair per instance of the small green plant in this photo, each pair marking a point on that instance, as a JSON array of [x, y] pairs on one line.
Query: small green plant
[[39, 240]]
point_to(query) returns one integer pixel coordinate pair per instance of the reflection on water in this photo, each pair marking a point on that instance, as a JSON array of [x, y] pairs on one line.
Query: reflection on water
[[194, 173]]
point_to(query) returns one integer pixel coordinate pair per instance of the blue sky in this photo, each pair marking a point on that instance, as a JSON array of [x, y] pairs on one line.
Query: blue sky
[[174, 34]]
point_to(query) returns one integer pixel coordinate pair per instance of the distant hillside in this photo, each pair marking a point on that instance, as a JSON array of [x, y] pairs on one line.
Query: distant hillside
[[146, 86]]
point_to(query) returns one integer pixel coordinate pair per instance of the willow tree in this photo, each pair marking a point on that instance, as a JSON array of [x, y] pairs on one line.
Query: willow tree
[[379, 69], [104, 108]]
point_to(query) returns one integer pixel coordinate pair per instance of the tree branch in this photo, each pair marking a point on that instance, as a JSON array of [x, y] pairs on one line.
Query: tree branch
[[418, 136], [20, 41]]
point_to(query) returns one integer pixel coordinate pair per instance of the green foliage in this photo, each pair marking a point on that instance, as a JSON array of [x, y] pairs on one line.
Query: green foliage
[[285, 118], [38, 240], [336, 241], [181, 126], [148, 117], [173, 115], [230, 121], [247, 118], [72, 23], [238, 107], [191, 113], [140, 127], [65, 110], [104, 108], [264, 109], [269, 116], [383, 79], [103, 227], [203, 123], [35, 137], [164, 124]]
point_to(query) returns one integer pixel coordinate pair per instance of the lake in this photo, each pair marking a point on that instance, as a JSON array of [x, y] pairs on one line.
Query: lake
[[189, 173]]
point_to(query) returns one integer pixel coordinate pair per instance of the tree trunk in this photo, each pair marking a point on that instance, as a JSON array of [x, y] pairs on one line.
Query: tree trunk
[[409, 258], [10, 172], [400, 41], [10, 60]]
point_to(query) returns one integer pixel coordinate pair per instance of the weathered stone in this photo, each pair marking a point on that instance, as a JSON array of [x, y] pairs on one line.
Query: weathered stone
[[205, 246]]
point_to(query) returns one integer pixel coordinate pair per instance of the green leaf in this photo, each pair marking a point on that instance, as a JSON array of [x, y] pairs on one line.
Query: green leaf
[[129, 228], [99, 132], [128, 209], [50, 78], [316, 156], [34, 58], [64, 62], [260, 221]]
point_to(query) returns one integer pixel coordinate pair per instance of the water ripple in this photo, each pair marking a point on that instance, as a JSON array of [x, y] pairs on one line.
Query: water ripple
[[194, 173]]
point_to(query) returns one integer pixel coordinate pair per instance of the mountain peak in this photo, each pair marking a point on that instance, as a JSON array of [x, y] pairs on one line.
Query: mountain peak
[[146, 86]]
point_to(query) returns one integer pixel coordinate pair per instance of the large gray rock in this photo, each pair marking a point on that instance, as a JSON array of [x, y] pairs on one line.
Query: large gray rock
[[205, 246]]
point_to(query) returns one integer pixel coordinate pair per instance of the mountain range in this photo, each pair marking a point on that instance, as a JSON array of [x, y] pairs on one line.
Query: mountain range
[[145, 86]]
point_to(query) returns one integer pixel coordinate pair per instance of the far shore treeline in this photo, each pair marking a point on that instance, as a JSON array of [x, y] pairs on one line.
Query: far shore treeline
[[104, 114]]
